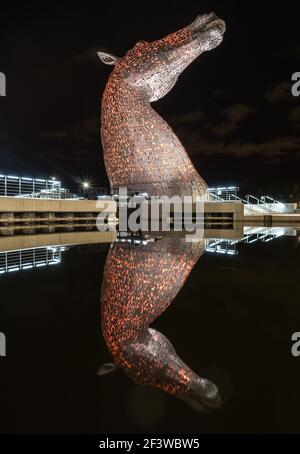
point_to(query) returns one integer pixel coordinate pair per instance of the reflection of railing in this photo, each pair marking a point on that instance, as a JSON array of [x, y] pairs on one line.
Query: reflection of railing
[[251, 235], [221, 247], [264, 234], [134, 239], [24, 259]]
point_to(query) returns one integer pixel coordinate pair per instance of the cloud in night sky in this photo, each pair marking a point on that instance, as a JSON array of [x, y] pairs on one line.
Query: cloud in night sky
[[275, 147], [279, 92], [232, 115], [56, 134], [86, 130], [295, 117], [293, 50], [190, 118]]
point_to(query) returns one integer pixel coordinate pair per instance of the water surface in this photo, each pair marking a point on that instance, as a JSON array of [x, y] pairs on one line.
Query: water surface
[[230, 321]]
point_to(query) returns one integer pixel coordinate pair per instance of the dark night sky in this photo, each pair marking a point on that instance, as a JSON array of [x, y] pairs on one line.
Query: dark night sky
[[232, 108]]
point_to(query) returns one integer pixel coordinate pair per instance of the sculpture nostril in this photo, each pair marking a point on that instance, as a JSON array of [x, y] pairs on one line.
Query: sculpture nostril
[[209, 17], [222, 26], [212, 392]]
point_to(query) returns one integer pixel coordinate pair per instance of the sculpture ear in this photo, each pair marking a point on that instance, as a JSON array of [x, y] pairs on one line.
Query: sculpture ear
[[108, 59], [107, 368]]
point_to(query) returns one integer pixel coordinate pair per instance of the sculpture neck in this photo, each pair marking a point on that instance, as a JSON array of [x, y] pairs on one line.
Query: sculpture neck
[[119, 97], [136, 140]]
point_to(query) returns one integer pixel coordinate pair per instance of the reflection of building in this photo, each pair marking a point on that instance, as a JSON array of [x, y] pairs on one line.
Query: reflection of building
[[21, 252]]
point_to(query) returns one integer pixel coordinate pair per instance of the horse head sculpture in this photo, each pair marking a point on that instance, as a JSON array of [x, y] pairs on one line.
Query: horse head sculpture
[[141, 151]]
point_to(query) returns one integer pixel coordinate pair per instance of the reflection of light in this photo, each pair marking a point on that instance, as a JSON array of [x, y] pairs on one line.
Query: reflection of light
[[13, 269], [52, 249], [218, 251]]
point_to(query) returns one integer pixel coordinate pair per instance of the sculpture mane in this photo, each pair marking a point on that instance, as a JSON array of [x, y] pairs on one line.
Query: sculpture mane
[[141, 152]]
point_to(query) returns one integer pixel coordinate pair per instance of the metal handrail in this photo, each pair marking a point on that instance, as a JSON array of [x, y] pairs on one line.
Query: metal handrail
[[236, 197], [233, 198], [258, 201], [216, 197], [14, 186], [270, 198]]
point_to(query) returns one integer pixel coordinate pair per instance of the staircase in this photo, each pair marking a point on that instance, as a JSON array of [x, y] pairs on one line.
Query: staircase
[[253, 205]]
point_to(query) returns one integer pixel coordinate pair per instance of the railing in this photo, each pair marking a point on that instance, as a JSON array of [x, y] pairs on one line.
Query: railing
[[12, 186], [259, 206], [256, 199], [213, 197], [234, 199], [224, 193], [264, 197]]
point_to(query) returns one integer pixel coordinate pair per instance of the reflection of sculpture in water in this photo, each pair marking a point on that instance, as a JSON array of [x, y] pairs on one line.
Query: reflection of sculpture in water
[[141, 151], [139, 284]]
